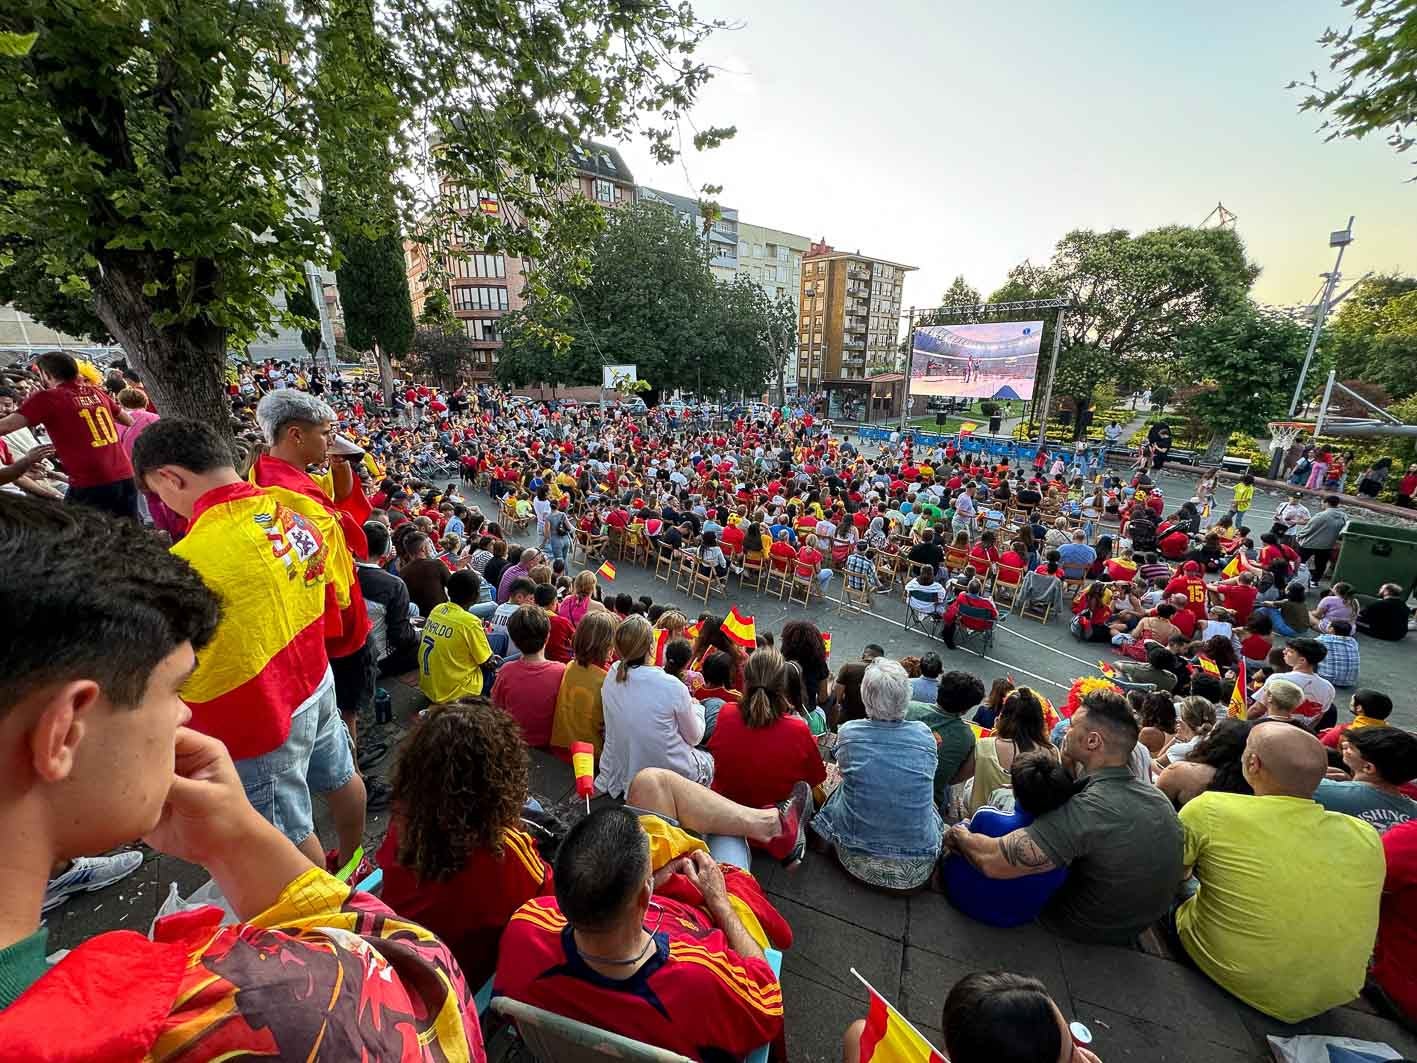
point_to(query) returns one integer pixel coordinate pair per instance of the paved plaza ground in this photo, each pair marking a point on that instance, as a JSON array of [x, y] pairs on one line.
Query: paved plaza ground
[[1139, 1006]]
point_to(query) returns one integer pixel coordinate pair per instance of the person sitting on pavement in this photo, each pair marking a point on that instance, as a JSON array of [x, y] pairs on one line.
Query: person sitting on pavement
[[455, 857], [1290, 614], [955, 694], [1388, 617], [1215, 763], [1019, 729], [98, 755], [1195, 718], [1277, 701], [1392, 979], [1370, 708], [454, 645], [691, 979], [971, 610], [651, 719], [1342, 658], [1040, 784], [1289, 961], [580, 714], [1159, 669], [1303, 657], [761, 748], [882, 821], [1378, 760], [923, 688], [527, 687], [1118, 837]]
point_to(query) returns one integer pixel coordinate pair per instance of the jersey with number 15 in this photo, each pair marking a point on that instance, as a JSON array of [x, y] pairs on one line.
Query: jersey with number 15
[[80, 421]]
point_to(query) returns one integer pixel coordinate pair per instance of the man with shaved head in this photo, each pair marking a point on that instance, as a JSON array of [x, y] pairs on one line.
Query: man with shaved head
[[1287, 908]]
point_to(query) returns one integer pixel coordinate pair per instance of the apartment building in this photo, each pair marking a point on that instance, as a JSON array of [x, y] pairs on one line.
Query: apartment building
[[849, 314], [773, 259], [721, 237], [484, 287]]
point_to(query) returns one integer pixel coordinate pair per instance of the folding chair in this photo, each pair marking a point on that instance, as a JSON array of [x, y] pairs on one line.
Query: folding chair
[[805, 583], [978, 640], [664, 562], [706, 577], [782, 576], [855, 594], [688, 560], [918, 619], [1040, 595], [755, 572], [1010, 587]]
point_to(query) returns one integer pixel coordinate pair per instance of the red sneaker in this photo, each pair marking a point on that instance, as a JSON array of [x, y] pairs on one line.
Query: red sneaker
[[790, 843]]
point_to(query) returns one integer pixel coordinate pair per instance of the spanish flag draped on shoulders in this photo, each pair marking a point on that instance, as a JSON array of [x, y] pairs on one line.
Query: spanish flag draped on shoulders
[[280, 565], [349, 635]]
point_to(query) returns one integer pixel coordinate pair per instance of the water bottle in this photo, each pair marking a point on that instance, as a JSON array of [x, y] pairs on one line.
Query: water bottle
[[383, 706]]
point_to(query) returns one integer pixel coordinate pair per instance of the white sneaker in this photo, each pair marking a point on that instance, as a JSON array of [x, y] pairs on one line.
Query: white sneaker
[[89, 873]]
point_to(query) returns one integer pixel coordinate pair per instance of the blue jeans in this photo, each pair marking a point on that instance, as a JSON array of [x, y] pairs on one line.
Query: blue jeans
[[1280, 627]]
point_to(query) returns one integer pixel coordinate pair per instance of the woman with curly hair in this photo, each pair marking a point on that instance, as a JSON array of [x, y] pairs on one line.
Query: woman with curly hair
[[761, 748], [712, 639], [802, 644], [1019, 729], [455, 858]]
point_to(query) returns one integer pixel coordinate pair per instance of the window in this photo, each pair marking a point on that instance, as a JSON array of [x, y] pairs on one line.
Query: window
[[479, 298], [604, 190], [758, 251], [742, 248], [477, 265], [482, 329]]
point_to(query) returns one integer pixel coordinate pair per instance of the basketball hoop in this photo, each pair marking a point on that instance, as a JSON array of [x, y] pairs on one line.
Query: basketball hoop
[[1283, 434]]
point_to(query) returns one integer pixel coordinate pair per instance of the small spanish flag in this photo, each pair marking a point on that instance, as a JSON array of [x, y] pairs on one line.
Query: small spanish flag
[[888, 1036], [1208, 666], [740, 629], [583, 764], [661, 640], [980, 732], [607, 570], [967, 428], [826, 642], [1236, 709], [1233, 568], [1106, 669]]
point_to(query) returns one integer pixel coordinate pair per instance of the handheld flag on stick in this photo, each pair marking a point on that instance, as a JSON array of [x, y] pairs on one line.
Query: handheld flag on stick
[[606, 571], [1236, 708], [583, 764], [1208, 666], [889, 1037], [1106, 669], [1233, 568], [740, 629], [661, 640], [692, 631], [826, 642]]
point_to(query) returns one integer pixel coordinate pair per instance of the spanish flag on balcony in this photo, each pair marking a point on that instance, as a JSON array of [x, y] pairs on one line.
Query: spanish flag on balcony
[[606, 571], [889, 1037], [740, 629]]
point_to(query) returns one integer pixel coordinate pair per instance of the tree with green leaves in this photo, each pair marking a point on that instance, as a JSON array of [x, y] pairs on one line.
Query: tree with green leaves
[[1243, 360], [442, 353], [1374, 63], [301, 305], [160, 160], [1129, 299], [1373, 337], [437, 311]]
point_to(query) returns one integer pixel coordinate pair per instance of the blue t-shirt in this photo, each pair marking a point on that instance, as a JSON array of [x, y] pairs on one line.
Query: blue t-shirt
[[1376, 807], [992, 901]]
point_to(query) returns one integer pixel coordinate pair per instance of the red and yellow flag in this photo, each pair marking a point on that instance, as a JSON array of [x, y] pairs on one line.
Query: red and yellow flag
[[740, 629], [826, 642], [583, 764], [661, 640], [1106, 669], [889, 1037], [1233, 568], [606, 571], [1236, 709], [1208, 666]]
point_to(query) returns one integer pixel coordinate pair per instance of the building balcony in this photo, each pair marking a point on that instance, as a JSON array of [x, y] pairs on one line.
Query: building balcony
[[854, 345]]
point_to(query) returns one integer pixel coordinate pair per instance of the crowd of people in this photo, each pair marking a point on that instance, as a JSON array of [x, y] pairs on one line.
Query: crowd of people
[[236, 647]]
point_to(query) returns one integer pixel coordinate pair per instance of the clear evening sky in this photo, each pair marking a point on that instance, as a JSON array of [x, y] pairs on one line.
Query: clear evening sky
[[963, 137]]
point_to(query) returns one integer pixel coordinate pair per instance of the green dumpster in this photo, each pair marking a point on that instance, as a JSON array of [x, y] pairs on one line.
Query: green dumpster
[[1373, 554]]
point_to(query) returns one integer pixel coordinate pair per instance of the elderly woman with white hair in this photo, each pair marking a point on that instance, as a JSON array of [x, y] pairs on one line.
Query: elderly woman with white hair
[[882, 821]]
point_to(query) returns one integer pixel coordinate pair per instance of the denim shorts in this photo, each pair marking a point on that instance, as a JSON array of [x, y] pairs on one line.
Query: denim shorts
[[316, 756]]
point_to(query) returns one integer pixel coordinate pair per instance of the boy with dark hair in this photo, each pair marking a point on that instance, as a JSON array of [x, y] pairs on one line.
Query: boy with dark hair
[[563, 632], [526, 688], [454, 646], [99, 755], [1380, 760], [1370, 708], [82, 421], [718, 674]]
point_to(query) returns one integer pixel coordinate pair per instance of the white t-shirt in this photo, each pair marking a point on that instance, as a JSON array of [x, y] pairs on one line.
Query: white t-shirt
[[1317, 691], [651, 721]]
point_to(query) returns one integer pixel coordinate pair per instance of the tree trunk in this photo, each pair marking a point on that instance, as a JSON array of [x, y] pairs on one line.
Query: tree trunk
[[1215, 449], [182, 366], [386, 375]]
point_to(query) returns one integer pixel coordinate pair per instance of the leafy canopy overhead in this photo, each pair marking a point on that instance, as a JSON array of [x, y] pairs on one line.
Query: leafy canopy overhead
[[161, 160], [1374, 63]]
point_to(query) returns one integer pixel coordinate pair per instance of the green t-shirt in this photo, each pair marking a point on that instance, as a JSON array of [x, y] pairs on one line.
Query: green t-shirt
[[954, 739], [21, 966], [1254, 856], [1121, 841]]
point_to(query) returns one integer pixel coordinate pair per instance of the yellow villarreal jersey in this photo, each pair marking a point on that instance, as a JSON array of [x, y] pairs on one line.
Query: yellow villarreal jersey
[[451, 654]]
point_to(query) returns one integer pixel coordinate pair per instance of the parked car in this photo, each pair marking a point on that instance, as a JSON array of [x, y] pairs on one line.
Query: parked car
[[634, 406]]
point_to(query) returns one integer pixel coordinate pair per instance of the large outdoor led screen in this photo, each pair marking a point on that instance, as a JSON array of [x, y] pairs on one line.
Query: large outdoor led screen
[[998, 360]]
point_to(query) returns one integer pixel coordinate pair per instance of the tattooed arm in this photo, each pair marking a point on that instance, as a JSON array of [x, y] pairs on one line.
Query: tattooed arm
[[1014, 855]]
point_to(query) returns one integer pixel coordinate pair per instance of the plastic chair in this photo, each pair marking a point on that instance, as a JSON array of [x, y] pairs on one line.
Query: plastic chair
[[554, 1038]]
